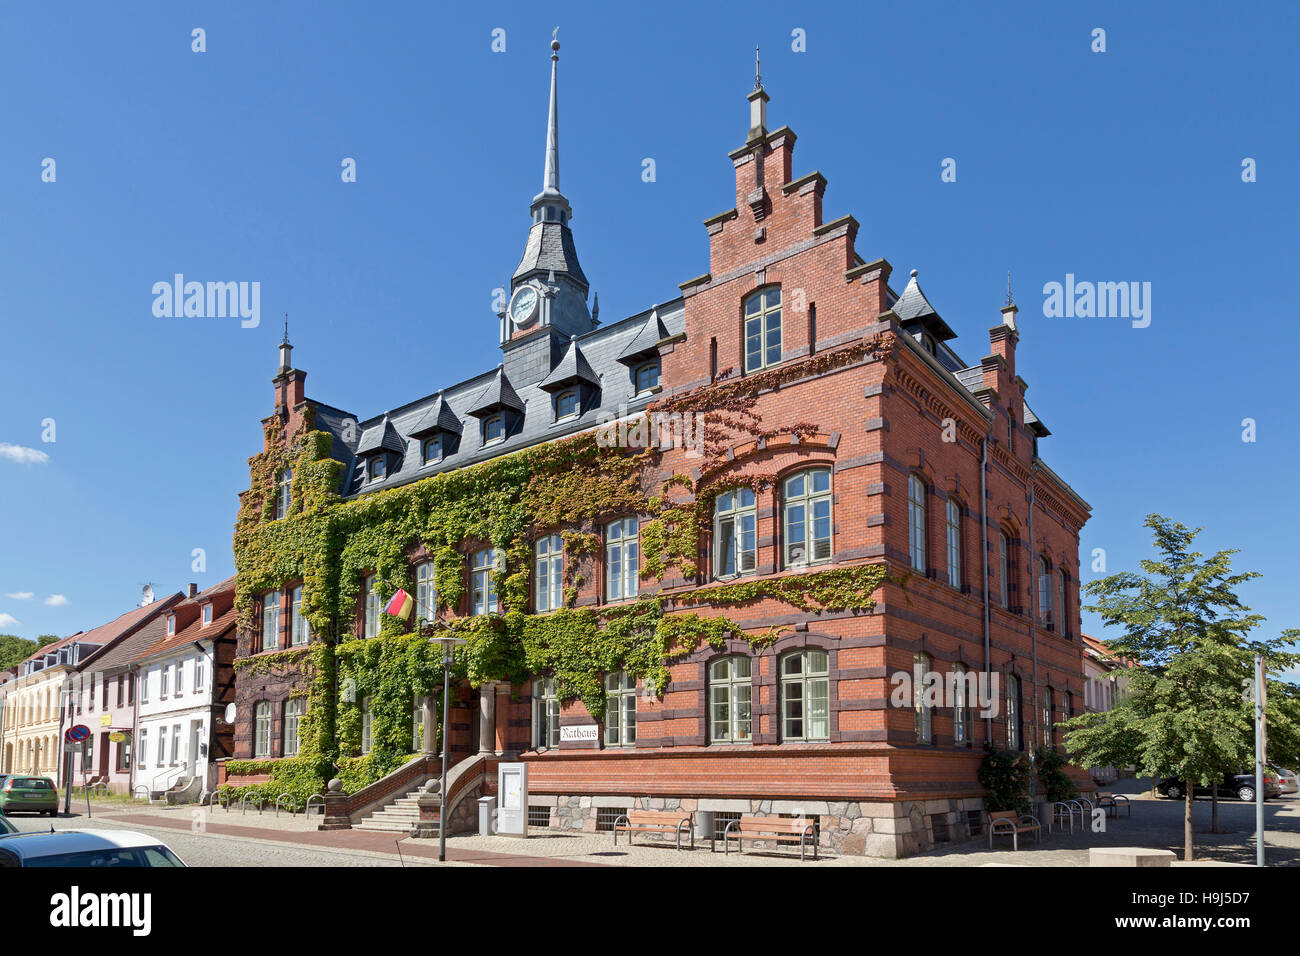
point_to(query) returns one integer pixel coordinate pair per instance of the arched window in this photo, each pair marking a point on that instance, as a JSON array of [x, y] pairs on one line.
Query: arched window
[[1014, 740], [426, 592], [622, 563], [292, 722], [806, 500], [923, 719], [547, 567], [961, 695], [620, 710], [378, 468], [953, 524], [734, 533], [373, 605], [546, 714], [483, 589], [646, 376], [431, 449], [566, 404], [916, 520], [1004, 570], [1045, 617], [805, 696], [367, 726], [1049, 736], [763, 329], [1062, 620], [261, 733], [494, 428], [730, 698], [286, 493]]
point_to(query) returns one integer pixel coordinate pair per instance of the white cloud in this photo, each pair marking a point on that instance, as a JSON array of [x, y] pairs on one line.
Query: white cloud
[[8, 620], [22, 455], [56, 600], [20, 596]]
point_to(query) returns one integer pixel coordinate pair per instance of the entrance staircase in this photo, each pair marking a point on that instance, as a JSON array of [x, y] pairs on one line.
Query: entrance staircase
[[401, 815]]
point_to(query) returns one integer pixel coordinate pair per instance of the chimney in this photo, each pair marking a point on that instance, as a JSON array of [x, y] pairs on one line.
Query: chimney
[[193, 590]]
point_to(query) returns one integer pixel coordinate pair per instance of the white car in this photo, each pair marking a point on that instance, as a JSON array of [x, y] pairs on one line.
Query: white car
[[92, 848]]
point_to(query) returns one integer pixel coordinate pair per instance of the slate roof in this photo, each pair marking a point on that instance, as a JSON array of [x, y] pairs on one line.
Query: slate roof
[[498, 394], [613, 393], [572, 367], [643, 344], [550, 247], [913, 306], [439, 417], [381, 437]]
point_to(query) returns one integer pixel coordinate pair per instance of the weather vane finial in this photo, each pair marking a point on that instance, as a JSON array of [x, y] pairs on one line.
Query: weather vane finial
[[286, 328], [1008, 287], [758, 77]]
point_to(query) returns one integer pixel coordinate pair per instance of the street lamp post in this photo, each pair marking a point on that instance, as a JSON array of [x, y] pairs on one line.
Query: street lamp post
[[448, 645]]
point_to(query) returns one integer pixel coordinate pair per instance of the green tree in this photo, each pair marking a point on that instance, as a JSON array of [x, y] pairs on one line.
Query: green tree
[[1187, 631], [14, 649]]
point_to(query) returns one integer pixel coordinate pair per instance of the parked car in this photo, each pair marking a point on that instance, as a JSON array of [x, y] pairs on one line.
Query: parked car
[[1239, 785], [93, 848], [6, 827], [1290, 782], [21, 794]]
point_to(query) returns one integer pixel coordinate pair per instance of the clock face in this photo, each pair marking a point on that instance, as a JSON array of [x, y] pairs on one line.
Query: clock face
[[523, 307]]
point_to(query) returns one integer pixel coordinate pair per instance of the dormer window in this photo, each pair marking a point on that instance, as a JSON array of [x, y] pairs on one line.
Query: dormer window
[[207, 615], [567, 405], [171, 625], [432, 449], [494, 428], [646, 377], [378, 468]]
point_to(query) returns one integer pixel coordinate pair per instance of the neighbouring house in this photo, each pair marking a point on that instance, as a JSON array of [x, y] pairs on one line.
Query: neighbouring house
[[186, 679], [1105, 680], [103, 688]]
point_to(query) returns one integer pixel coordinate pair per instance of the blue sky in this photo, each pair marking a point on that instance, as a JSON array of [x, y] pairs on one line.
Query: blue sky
[[225, 165]]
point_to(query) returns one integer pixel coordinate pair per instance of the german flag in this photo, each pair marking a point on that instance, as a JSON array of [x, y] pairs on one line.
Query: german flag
[[401, 605]]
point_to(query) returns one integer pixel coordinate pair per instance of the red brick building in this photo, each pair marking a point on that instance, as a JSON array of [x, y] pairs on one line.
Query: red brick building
[[878, 445]]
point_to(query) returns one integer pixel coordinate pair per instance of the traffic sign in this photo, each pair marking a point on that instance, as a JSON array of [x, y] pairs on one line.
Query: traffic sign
[[76, 732]]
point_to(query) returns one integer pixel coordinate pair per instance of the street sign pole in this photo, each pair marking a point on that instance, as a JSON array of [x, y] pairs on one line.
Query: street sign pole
[[1259, 760]]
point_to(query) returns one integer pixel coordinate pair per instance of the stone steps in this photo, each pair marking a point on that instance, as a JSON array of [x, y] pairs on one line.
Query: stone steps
[[400, 816]]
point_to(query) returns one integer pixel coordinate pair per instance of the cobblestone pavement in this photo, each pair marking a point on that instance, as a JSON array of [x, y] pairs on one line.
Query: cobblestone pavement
[[229, 838]]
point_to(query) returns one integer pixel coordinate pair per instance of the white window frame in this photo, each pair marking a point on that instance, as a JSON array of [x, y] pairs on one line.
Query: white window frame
[[497, 418], [1014, 737], [1046, 619], [568, 393], [1004, 569], [292, 726], [164, 680], [271, 620], [620, 710], [803, 518], [548, 567], [198, 671], [367, 726], [436, 442], [808, 687], [284, 499], [763, 318], [299, 626], [923, 715], [731, 700], [961, 725], [370, 618], [651, 372], [622, 559], [207, 614], [735, 509], [377, 468], [426, 592], [916, 521], [546, 714], [262, 729], [483, 590], [952, 514]]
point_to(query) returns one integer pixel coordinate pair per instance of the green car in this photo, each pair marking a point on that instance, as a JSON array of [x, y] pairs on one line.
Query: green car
[[20, 794]]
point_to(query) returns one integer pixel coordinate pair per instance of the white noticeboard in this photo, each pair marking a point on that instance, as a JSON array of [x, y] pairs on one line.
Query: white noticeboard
[[512, 799]]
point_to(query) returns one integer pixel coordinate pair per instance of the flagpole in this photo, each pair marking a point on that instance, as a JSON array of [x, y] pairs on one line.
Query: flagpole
[[1259, 760]]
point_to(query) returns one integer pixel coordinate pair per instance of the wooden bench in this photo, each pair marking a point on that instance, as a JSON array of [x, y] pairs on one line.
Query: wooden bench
[[1008, 821], [655, 821], [1111, 802], [777, 829]]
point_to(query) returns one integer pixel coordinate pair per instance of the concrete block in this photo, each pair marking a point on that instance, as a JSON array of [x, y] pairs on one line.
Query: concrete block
[[1128, 856]]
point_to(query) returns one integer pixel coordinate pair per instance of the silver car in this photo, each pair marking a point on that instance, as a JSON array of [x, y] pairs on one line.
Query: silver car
[[1290, 782]]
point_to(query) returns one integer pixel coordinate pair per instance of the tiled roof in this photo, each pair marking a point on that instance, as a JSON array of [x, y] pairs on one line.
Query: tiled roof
[[140, 626], [195, 631]]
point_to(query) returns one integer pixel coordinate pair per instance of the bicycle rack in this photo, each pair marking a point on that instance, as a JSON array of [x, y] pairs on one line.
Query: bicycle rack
[[135, 792], [293, 803], [306, 811], [261, 801]]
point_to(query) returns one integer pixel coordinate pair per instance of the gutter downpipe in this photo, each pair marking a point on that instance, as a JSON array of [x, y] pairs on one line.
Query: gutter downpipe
[[984, 564], [1033, 612]]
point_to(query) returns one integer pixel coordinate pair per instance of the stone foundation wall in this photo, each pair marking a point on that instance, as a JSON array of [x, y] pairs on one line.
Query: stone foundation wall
[[888, 830]]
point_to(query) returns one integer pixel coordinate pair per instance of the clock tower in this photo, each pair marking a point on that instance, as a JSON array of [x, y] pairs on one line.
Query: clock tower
[[549, 289]]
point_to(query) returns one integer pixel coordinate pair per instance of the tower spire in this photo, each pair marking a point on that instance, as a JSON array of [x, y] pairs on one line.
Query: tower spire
[[551, 178]]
